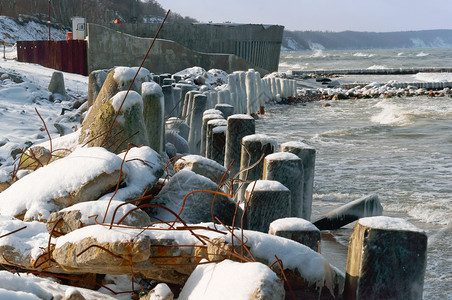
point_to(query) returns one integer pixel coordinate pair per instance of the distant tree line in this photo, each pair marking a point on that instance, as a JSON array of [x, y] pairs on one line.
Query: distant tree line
[[95, 11]]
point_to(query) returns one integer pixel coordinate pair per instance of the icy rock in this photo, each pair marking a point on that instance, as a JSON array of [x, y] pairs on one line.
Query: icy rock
[[56, 85], [202, 166], [73, 294], [160, 292], [233, 280], [117, 80], [197, 206], [363, 207], [386, 260], [178, 141], [84, 175], [298, 230], [78, 216], [129, 124], [34, 158]]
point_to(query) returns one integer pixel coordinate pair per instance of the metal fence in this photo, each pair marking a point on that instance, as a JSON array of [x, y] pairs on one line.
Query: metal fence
[[67, 56]]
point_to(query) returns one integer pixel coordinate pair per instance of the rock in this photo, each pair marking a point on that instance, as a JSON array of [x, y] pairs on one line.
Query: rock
[[197, 206], [129, 125], [34, 158], [117, 80], [202, 166], [56, 85], [233, 280], [179, 142], [170, 150], [160, 292], [199, 80], [298, 230], [178, 126], [363, 207], [84, 175], [326, 104], [340, 96], [386, 260], [78, 216], [73, 294]]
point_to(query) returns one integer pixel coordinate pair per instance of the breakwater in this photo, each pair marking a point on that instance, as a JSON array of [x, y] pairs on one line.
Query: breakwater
[[377, 71]]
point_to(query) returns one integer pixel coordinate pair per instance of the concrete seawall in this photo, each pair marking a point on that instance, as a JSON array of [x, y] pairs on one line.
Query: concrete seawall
[[108, 48]]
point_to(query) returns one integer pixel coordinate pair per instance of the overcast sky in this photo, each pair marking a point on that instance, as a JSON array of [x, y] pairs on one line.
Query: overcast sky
[[331, 15]]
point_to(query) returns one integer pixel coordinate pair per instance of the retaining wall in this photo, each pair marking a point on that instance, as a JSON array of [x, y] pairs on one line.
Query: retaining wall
[[108, 48], [258, 44]]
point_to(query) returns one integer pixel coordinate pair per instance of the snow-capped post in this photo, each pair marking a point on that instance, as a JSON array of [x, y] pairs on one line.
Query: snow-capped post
[[253, 148], [226, 109], [273, 88], [287, 168], [307, 155], [267, 201], [154, 107], [188, 105], [168, 99], [386, 260], [56, 85], [95, 81], [232, 82], [224, 96], [168, 81], [184, 88], [251, 92], [294, 88], [278, 89], [162, 77], [239, 125], [176, 97], [216, 139], [242, 95], [298, 230], [194, 137], [206, 118]]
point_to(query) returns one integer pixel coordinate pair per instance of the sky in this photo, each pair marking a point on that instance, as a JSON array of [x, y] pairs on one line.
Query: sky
[[324, 15]]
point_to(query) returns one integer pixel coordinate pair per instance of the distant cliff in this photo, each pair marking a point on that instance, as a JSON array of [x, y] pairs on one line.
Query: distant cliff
[[305, 40]]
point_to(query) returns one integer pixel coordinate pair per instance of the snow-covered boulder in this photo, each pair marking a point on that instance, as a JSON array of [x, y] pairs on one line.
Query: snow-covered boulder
[[78, 216], [160, 292], [233, 280], [202, 166], [84, 175], [197, 206]]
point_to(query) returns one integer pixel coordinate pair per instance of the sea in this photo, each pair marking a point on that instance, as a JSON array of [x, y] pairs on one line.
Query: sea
[[398, 148]]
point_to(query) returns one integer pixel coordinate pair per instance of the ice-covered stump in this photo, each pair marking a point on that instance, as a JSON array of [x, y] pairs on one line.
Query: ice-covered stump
[[298, 230], [153, 102], [205, 120], [233, 280], [254, 148], [169, 101], [194, 137], [128, 127], [266, 201], [386, 260], [202, 166], [367, 206], [239, 125], [56, 85], [287, 168], [95, 82], [226, 109], [307, 155], [216, 139]]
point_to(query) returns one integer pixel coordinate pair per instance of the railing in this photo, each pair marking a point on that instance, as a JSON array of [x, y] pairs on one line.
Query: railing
[[67, 56]]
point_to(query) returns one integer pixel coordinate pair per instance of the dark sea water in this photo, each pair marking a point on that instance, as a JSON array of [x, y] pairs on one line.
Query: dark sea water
[[399, 148]]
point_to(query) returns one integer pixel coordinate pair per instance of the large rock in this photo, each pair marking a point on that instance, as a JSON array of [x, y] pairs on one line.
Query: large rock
[[367, 206], [117, 80], [197, 207], [56, 85], [84, 175], [78, 216], [233, 280], [202, 166], [129, 124]]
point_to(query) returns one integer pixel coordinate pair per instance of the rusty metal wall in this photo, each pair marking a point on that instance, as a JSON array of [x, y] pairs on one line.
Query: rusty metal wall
[[67, 56]]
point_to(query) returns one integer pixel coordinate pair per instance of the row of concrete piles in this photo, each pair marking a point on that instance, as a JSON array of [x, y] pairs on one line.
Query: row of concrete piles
[[274, 186]]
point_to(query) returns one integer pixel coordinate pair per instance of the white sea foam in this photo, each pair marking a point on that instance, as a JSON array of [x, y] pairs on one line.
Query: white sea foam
[[377, 67], [422, 54], [360, 54]]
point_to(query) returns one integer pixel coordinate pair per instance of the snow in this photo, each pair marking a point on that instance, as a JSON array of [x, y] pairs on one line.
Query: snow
[[160, 292], [213, 77], [262, 138], [388, 223], [266, 185], [217, 122], [212, 111], [281, 156], [124, 74], [151, 88], [133, 98], [35, 191], [292, 224], [295, 144], [212, 116], [219, 129], [26, 287], [228, 280]]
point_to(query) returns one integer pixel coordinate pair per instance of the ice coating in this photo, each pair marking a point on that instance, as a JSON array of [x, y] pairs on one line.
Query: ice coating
[[266, 185], [282, 156], [292, 224], [133, 98], [383, 222]]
